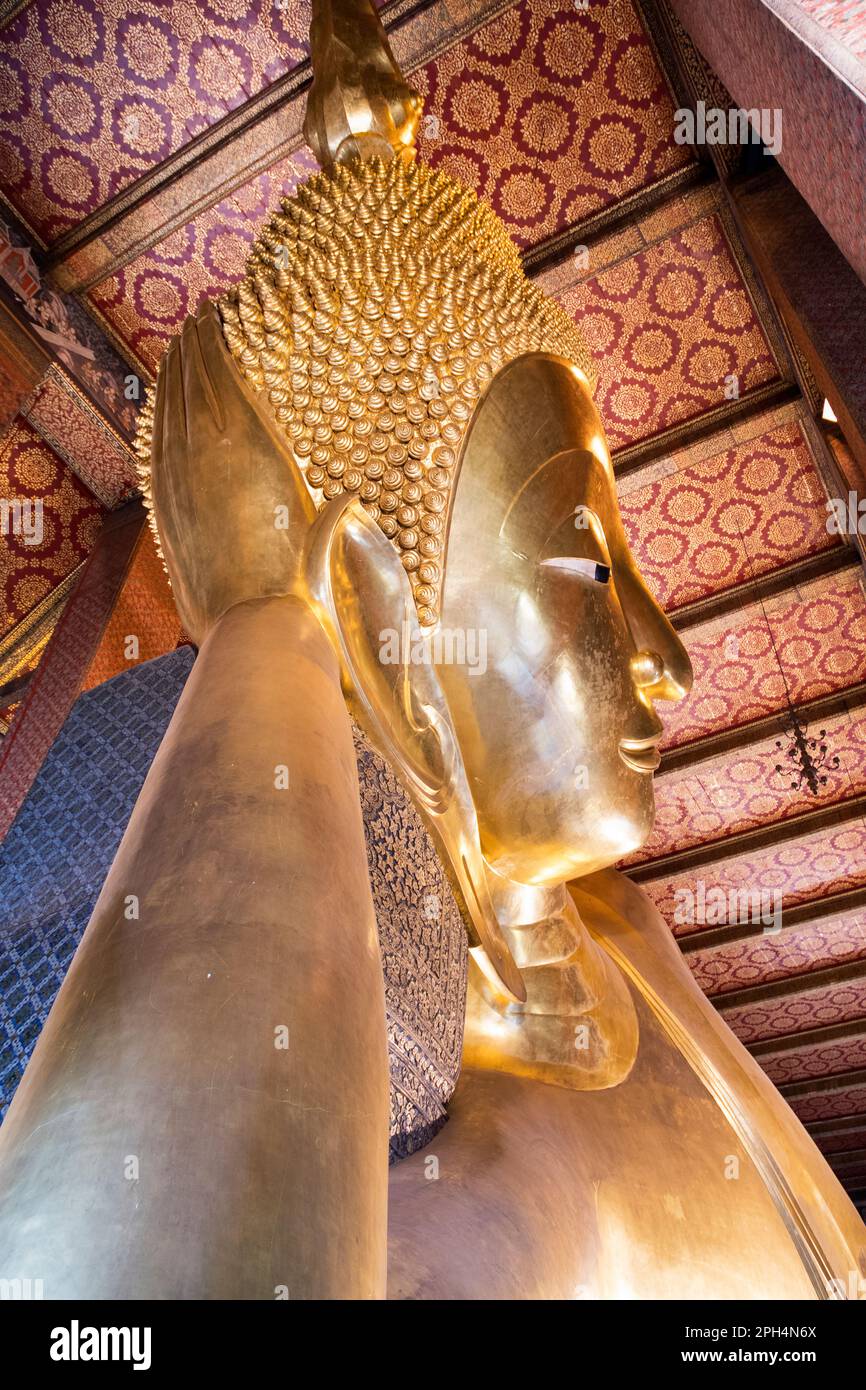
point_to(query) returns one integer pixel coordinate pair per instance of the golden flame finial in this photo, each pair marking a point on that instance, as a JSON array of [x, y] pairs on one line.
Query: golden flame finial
[[360, 105]]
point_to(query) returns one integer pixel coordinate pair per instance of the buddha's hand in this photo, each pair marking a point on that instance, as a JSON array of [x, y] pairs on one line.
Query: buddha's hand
[[359, 102], [230, 505]]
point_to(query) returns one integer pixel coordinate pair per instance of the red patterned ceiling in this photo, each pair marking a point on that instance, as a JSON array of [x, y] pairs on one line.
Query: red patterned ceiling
[[780, 955], [815, 1060], [728, 518], [798, 1013], [94, 94], [551, 113], [670, 328], [741, 791], [813, 642], [802, 869], [830, 1105]]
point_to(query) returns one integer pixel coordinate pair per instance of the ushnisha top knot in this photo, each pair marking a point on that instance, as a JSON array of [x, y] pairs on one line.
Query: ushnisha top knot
[[376, 307]]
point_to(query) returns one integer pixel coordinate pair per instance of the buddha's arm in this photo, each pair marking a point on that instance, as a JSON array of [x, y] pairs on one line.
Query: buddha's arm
[[206, 1112], [691, 1178]]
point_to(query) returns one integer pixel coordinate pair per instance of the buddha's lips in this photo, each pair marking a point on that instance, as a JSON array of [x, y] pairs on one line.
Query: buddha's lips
[[640, 754]]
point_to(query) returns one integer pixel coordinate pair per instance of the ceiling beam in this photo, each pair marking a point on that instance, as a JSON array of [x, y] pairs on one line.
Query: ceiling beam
[[838, 1126], [820, 1085], [633, 457], [613, 218], [746, 735], [747, 841], [794, 984], [814, 910], [847, 1158], [831, 1032], [852, 1175], [835, 560]]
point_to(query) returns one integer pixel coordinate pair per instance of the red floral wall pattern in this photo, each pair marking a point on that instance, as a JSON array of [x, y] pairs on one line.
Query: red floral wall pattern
[[71, 518], [669, 329], [92, 451]]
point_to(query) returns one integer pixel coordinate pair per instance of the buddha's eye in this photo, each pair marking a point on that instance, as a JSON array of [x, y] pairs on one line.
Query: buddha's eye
[[576, 564], [578, 545]]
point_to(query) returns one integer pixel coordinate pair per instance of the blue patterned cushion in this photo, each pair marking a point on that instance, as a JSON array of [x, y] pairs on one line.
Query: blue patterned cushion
[[58, 852]]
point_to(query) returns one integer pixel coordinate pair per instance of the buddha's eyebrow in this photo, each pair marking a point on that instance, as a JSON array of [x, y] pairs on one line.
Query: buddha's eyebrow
[[563, 463]]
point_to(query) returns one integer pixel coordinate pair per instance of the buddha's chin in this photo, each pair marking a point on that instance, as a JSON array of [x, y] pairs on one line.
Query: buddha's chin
[[578, 847]]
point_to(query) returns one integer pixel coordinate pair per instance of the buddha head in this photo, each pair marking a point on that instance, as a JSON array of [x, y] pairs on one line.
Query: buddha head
[[435, 410]]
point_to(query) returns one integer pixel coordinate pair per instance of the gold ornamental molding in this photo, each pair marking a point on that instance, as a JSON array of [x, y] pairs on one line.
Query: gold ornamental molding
[[24, 644]]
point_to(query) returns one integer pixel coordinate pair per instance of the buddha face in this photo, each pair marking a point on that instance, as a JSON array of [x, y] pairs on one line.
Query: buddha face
[[557, 726]]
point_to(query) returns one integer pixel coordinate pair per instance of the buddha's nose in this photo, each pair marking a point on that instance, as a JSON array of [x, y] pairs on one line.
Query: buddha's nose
[[659, 664], [660, 676], [647, 668]]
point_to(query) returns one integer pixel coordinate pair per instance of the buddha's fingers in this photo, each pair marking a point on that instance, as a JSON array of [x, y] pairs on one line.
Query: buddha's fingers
[[201, 395]]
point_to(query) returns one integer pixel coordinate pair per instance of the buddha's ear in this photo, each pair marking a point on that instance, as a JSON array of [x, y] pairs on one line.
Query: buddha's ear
[[362, 595], [364, 599]]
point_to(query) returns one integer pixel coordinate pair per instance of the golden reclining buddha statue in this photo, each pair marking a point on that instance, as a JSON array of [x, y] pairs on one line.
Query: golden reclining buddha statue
[[376, 455]]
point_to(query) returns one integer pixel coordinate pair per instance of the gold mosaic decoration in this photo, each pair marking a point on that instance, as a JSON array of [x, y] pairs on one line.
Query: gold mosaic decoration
[[376, 307]]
